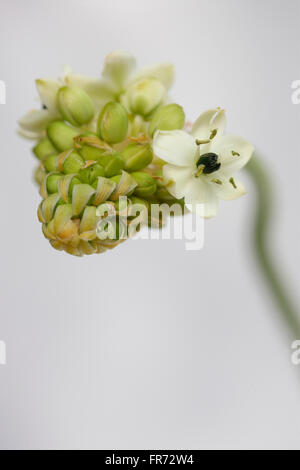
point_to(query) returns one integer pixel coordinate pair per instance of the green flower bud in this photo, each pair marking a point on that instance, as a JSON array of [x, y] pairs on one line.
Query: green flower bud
[[51, 183], [89, 175], [73, 183], [145, 95], [122, 206], [51, 163], [139, 201], [163, 196], [137, 156], [112, 164], [75, 105], [61, 135], [91, 153], [146, 185], [90, 147], [72, 163], [43, 149], [113, 123], [167, 118], [125, 185]]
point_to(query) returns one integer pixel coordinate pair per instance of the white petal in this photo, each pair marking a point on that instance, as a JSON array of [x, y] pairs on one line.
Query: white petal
[[203, 200], [208, 122], [234, 153], [164, 72], [48, 94], [175, 147], [29, 135], [208, 209], [100, 91], [36, 121], [200, 195], [228, 190], [177, 179], [118, 68], [198, 191]]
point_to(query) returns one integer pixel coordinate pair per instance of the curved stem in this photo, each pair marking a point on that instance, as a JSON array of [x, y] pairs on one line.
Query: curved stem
[[264, 213]]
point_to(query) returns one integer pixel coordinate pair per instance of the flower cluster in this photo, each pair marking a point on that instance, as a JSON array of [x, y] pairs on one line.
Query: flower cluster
[[119, 135]]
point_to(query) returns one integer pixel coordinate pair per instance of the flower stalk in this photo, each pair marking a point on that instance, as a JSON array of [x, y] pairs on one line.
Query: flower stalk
[[261, 246]]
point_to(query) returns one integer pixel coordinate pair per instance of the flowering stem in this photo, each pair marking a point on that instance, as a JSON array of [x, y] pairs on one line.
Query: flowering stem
[[263, 219]]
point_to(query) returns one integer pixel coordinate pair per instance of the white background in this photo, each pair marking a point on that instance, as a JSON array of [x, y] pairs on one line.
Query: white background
[[150, 346]]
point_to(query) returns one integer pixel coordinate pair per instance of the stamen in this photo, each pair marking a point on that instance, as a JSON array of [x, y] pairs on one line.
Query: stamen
[[213, 134], [217, 181], [233, 183], [200, 142], [200, 170]]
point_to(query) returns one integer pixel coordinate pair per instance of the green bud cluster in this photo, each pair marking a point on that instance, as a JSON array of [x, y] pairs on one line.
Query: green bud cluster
[[90, 155]]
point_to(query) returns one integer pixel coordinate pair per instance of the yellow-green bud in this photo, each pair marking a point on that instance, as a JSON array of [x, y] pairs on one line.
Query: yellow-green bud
[[43, 149], [75, 105], [146, 185], [73, 163], [125, 185], [50, 163], [145, 95], [138, 200], [61, 135], [163, 195], [137, 156], [91, 153], [89, 175], [167, 118], [73, 183], [113, 123], [113, 164], [51, 183]]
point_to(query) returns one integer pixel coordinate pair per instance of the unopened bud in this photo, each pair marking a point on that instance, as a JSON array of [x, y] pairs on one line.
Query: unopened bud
[[137, 156], [71, 163], [145, 95], [61, 135], [138, 206], [89, 175], [167, 118], [113, 164], [91, 153], [75, 105], [113, 123], [51, 183], [146, 185], [125, 185], [50, 163], [43, 149]]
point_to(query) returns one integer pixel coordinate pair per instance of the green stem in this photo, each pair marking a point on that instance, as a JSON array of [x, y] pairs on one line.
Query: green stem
[[263, 218]]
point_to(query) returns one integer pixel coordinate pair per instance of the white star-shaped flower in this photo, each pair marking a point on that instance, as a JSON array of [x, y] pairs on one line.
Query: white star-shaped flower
[[201, 164]]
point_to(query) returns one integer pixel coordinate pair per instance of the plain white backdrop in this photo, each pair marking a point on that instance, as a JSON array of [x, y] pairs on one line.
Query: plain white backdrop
[[151, 346]]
